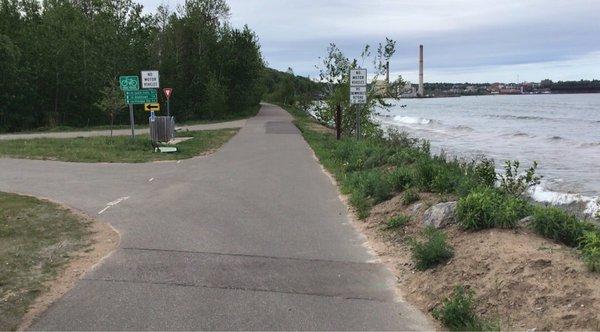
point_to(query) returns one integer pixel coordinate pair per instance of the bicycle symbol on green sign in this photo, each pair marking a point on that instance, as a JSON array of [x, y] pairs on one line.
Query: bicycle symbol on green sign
[[129, 83]]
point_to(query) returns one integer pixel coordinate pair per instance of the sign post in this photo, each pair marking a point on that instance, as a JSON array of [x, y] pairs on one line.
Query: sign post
[[358, 93], [168, 92], [130, 84]]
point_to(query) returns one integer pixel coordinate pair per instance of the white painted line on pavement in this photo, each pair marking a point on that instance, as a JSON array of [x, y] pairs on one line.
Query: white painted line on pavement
[[113, 203]]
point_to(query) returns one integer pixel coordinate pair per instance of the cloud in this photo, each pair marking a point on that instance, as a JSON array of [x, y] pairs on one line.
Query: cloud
[[470, 40]]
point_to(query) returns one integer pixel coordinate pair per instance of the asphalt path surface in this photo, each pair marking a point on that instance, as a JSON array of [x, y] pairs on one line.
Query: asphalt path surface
[[253, 237], [118, 132]]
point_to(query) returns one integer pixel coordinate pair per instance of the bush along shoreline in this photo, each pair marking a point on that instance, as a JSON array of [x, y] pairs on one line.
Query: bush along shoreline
[[376, 169]]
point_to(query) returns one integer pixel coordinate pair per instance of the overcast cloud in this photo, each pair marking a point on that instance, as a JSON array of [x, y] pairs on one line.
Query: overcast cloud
[[476, 41]]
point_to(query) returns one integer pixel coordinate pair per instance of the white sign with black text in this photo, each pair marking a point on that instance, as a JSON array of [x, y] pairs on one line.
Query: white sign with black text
[[358, 86], [150, 79]]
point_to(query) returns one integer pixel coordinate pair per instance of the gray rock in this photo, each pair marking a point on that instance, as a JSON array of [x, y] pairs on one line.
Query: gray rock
[[416, 207], [525, 221], [440, 215]]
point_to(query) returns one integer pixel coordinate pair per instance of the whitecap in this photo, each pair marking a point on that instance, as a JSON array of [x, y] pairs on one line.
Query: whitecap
[[412, 120], [543, 195]]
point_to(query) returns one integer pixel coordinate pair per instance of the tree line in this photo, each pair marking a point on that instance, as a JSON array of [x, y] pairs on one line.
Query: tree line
[[60, 60], [581, 86]]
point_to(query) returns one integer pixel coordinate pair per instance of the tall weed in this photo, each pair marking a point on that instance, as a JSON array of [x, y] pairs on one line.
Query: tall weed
[[457, 312], [431, 252]]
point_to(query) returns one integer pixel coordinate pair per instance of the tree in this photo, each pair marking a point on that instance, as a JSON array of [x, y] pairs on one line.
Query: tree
[[334, 72], [112, 101], [66, 53]]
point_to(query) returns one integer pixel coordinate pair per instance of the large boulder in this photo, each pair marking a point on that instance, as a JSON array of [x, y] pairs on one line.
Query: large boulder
[[440, 215]]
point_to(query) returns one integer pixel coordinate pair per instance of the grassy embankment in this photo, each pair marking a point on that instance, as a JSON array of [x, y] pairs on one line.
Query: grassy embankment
[[374, 170], [116, 149], [37, 238]]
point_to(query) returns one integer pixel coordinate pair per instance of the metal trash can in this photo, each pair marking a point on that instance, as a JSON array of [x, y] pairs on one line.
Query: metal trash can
[[162, 128]]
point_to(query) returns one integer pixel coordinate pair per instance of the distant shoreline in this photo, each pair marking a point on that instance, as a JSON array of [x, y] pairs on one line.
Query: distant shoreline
[[505, 94]]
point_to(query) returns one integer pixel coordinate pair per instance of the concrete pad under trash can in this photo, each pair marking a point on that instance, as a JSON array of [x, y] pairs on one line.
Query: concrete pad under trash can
[[176, 140], [166, 149]]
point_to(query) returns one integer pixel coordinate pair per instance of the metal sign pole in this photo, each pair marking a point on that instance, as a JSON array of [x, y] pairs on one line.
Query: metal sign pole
[[131, 119], [357, 110], [168, 107]]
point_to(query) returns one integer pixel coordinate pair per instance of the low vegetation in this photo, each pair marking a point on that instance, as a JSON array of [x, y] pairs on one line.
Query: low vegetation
[[116, 149], [457, 312], [590, 243], [410, 196], [433, 251], [487, 207], [36, 239], [397, 221], [379, 166], [559, 225], [384, 165]]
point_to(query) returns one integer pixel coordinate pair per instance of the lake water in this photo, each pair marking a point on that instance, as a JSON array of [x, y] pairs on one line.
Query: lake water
[[560, 132]]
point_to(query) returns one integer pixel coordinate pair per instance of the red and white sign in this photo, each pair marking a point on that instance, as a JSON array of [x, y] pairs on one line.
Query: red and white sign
[[168, 92]]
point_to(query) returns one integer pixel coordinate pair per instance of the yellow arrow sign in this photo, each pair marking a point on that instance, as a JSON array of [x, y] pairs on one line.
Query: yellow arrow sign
[[152, 107]]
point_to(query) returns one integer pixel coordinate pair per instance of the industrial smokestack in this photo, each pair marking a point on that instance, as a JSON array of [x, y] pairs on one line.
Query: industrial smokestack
[[387, 72], [421, 89]]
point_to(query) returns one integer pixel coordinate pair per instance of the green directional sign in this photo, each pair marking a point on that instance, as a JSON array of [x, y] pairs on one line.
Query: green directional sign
[[129, 83], [141, 97]]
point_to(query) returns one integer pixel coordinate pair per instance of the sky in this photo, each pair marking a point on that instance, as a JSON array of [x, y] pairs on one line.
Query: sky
[[464, 41]]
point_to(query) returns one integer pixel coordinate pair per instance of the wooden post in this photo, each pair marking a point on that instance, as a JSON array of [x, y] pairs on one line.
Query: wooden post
[[338, 122]]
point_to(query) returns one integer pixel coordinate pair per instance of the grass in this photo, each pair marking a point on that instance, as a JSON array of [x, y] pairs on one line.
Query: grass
[[116, 149], [457, 313], [431, 252], [36, 239]]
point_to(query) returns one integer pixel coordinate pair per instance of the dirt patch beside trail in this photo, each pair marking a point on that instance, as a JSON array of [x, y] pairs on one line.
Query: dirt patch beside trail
[[104, 240], [320, 128], [519, 278]]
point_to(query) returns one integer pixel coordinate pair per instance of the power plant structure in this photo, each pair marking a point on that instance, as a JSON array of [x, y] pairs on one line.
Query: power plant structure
[[387, 72], [421, 91]]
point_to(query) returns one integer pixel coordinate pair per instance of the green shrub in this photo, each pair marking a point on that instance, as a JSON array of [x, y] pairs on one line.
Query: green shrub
[[410, 196], [397, 221], [514, 183], [554, 223], [510, 211], [457, 312], [361, 203], [590, 247], [373, 183], [424, 173], [433, 251], [485, 208], [401, 139], [400, 178], [447, 178], [484, 172], [478, 209]]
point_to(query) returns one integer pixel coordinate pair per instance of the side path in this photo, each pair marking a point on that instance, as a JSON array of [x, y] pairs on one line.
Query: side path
[[120, 132], [253, 237]]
